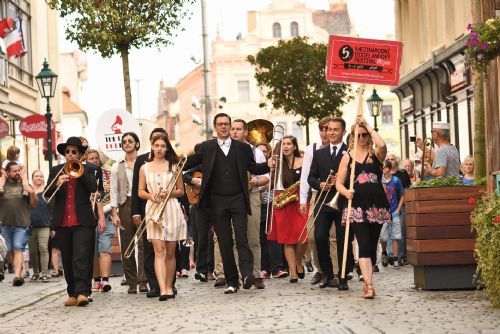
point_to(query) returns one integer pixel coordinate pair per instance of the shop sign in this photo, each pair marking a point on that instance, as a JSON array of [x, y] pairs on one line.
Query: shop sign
[[4, 128], [363, 60], [407, 103], [35, 126]]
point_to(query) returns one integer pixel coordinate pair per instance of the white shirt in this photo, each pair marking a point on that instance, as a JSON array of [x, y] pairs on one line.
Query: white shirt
[[306, 168], [224, 145], [113, 186], [259, 158], [338, 146]]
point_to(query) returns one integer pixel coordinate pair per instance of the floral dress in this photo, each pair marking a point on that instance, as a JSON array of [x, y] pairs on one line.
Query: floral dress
[[369, 204]]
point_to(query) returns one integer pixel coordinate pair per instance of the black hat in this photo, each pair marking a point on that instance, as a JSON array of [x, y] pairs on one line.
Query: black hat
[[73, 141]]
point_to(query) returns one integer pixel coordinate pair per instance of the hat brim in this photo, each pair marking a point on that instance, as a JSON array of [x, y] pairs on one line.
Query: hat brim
[[61, 148]]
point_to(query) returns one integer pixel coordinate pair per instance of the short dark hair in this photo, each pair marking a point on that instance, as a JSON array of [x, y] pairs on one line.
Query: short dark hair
[[10, 165], [162, 130], [239, 120], [221, 114], [340, 120], [136, 138]]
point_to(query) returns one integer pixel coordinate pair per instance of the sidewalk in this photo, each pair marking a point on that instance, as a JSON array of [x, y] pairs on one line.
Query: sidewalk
[[13, 298]]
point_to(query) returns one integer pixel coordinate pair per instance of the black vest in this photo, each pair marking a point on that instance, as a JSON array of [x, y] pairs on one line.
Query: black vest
[[225, 179]]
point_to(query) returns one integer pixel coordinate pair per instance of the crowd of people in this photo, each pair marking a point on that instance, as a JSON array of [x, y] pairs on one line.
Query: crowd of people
[[255, 211]]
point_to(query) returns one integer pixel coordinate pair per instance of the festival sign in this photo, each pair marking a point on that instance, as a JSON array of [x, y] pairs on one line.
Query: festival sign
[[109, 130], [363, 60], [4, 128], [35, 126]]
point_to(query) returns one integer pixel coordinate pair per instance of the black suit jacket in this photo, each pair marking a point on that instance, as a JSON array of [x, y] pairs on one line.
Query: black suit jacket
[[85, 186], [321, 165], [244, 158], [138, 204]]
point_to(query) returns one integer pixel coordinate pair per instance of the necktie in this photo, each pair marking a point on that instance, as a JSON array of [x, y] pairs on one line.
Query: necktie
[[334, 152]]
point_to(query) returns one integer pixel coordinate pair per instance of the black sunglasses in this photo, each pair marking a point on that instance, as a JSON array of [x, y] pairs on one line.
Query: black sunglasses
[[71, 151], [363, 135], [130, 141], [323, 128]]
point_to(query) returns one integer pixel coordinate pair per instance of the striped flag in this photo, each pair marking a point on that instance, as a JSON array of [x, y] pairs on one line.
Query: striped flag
[[6, 26], [14, 41]]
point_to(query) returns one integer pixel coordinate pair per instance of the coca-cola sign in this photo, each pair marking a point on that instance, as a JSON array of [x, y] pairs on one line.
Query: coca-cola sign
[[4, 128], [35, 126]]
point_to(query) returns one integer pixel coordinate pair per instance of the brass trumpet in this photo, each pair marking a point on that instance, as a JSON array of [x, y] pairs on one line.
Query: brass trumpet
[[155, 212], [73, 168], [277, 184]]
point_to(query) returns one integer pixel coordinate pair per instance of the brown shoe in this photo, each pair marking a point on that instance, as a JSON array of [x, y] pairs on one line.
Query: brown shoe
[[82, 300], [210, 276], [258, 283], [71, 301]]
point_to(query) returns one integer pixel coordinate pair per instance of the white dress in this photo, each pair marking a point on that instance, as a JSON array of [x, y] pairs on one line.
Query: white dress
[[173, 226]]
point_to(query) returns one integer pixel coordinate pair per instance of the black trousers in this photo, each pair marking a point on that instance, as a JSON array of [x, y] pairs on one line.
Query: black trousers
[[203, 242], [77, 247], [229, 212], [149, 263], [367, 235], [322, 228], [271, 254]]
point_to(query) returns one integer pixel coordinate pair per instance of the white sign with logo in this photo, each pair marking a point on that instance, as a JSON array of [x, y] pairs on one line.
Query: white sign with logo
[[109, 131]]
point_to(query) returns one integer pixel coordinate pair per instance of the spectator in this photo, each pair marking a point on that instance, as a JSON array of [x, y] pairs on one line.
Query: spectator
[[409, 166], [402, 174], [13, 153], [468, 168], [446, 161]]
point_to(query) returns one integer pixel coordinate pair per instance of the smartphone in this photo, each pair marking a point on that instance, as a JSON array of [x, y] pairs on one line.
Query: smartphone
[[413, 139]]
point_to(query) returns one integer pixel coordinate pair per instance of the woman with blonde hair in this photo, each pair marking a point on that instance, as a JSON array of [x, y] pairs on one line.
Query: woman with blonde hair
[[468, 169]]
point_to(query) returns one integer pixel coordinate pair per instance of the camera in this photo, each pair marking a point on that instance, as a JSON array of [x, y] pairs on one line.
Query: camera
[[413, 139]]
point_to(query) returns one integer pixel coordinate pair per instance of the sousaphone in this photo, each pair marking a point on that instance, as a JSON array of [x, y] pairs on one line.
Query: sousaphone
[[259, 131]]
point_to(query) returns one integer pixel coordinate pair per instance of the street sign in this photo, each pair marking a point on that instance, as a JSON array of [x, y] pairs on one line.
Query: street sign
[[4, 128], [35, 126], [363, 60], [109, 131]]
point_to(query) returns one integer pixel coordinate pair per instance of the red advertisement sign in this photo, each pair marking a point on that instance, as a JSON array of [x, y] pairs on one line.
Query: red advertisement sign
[[35, 126], [363, 60], [4, 128]]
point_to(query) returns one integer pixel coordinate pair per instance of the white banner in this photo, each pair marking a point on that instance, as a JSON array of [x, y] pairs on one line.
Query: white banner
[[109, 131]]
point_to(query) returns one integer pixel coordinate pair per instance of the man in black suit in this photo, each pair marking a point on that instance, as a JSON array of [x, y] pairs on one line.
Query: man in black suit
[[73, 220], [138, 211], [325, 161], [224, 189]]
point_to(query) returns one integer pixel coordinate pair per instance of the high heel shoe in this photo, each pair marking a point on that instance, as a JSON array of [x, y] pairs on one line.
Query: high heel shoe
[[369, 292], [294, 280], [163, 298], [302, 274]]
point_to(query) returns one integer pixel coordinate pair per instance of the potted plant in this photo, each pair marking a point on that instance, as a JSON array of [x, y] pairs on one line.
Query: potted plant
[[483, 44]]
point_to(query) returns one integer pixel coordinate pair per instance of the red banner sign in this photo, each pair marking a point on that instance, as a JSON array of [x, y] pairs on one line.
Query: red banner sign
[[4, 128], [363, 60], [35, 126]]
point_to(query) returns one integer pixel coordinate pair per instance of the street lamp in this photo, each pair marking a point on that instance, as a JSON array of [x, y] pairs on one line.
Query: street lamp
[[47, 81], [374, 105]]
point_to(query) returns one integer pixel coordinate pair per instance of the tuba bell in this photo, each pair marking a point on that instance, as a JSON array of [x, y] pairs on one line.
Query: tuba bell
[[259, 131]]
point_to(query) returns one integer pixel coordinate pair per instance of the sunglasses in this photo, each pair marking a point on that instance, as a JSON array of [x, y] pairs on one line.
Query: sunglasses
[[323, 128], [363, 135], [130, 141], [71, 152]]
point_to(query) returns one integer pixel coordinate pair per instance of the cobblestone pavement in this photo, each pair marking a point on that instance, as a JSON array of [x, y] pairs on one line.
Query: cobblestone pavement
[[281, 307]]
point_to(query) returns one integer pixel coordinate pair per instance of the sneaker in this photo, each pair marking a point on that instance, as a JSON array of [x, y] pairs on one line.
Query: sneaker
[[220, 282], [280, 274], [184, 273], [264, 274], [350, 276], [248, 282], [35, 277], [385, 260], [105, 286], [391, 261], [258, 284], [27, 274], [45, 279], [124, 282], [97, 286], [309, 267], [200, 277], [230, 290], [143, 287], [396, 264]]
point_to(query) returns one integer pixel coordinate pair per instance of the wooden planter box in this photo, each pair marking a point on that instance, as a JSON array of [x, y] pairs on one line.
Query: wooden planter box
[[440, 242]]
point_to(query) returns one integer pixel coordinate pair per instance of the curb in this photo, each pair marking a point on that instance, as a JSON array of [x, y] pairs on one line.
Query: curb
[[5, 313]]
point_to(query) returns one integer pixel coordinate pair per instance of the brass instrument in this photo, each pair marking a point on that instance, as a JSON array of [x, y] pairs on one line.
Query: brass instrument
[[259, 131], [72, 168], [427, 143], [155, 212], [277, 184], [287, 196]]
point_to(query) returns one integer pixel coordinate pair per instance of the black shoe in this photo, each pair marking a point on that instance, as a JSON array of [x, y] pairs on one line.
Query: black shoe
[[230, 290], [163, 298], [153, 293], [317, 278], [131, 290], [90, 299], [248, 282], [343, 285], [143, 287], [294, 280], [309, 267], [174, 289], [18, 281], [124, 282], [302, 274], [220, 282], [202, 277], [325, 281], [334, 282], [2, 276], [375, 269]]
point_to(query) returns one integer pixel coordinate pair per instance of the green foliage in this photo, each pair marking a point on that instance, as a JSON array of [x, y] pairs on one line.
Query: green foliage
[[444, 181], [485, 220], [292, 75], [112, 26], [483, 44]]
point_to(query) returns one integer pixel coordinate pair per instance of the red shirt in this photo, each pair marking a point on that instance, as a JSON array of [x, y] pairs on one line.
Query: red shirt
[[70, 218]]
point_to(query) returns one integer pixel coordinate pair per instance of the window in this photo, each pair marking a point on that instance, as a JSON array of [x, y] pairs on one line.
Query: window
[[294, 29], [21, 68], [386, 114], [244, 90], [276, 30]]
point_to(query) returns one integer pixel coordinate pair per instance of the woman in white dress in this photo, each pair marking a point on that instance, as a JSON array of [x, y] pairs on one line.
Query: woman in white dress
[[154, 178]]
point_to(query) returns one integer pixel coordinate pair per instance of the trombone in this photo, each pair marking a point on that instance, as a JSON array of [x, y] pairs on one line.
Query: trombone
[[155, 212], [277, 184], [319, 205], [73, 168]]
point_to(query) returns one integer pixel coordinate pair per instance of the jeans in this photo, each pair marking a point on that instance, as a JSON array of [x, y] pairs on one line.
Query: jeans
[[16, 237]]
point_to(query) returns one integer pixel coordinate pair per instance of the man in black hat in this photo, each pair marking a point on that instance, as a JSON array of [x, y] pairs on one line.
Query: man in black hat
[[73, 220]]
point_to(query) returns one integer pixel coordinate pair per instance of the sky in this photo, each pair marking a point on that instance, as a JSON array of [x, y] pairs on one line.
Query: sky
[[104, 90]]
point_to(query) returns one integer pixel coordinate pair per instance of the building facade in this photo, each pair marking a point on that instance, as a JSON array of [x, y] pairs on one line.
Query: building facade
[[19, 95]]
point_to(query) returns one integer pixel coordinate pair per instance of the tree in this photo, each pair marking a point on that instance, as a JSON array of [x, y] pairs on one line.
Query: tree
[[115, 26], [292, 75]]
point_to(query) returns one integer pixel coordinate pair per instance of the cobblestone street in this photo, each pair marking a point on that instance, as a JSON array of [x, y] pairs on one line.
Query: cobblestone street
[[281, 307]]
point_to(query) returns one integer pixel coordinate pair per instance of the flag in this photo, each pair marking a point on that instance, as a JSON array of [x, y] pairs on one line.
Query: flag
[[6, 26], [14, 41]]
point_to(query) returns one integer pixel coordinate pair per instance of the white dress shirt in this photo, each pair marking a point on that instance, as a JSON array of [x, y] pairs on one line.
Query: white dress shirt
[[224, 145], [259, 158], [337, 152], [306, 168]]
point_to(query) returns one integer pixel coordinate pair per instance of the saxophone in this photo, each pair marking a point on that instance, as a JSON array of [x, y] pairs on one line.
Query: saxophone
[[286, 196]]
